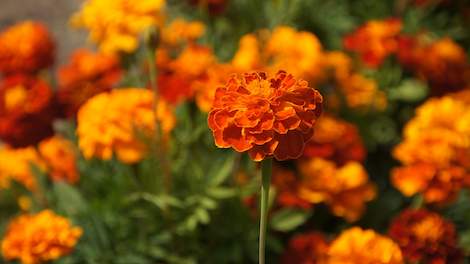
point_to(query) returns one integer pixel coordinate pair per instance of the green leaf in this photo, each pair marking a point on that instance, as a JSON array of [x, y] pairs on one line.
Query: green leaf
[[221, 192], [69, 199], [409, 91], [288, 219], [218, 174]]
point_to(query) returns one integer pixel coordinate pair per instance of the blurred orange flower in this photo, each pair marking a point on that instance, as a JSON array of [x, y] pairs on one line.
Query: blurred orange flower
[[26, 47], [344, 189], [16, 164], [118, 122], [60, 157], [38, 238], [266, 116], [306, 248], [286, 184], [425, 237], [215, 77], [26, 110], [86, 75], [180, 31], [374, 40], [356, 245]]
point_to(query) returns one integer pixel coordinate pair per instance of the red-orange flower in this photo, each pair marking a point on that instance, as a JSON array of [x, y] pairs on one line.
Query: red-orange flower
[[286, 186], [308, 248], [26, 111], [59, 155], [86, 75], [26, 47], [425, 237], [266, 116]]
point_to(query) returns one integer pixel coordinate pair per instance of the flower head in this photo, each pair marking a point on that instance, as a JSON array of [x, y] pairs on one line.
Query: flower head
[[16, 165], [60, 157], [39, 238], [425, 237], [86, 75], [266, 116], [116, 122], [307, 248], [26, 48]]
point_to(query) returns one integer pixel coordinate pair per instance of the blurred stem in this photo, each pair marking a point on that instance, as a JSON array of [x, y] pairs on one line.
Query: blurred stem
[[266, 170]]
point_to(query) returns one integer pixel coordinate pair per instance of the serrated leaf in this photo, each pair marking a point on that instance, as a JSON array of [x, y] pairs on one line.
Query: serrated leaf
[[288, 219]]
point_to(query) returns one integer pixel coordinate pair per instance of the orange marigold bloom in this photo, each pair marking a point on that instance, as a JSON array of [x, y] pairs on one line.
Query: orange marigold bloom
[[356, 245], [26, 110], [435, 152], [39, 238], [375, 40], [60, 157], [344, 189], [16, 164], [266, 116], [337, 140], [425, 237], [308, 248], [26, 47], [115, 122], [205, 87], [86, 75], [180, 31], [287, 184]]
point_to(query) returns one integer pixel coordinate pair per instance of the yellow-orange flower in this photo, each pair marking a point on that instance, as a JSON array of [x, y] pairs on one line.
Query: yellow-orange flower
[[180, 31], [248, 55], [266, 116], [356, 245], [60, 157], [26, 47], [86, 75], [116, 24], [16, 164], [205, 87], [39, 238], [344, 189], [115, 122]]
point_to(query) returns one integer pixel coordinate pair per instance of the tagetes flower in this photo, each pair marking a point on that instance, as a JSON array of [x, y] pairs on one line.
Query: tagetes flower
[[425, 237], [60, 157], [248, 55], [356, 245], [344, 189], [205, 87], [26, 47], [115, 25], [180, 31], [87, 74], [435, 151], [337, 140], [39, 238], [26, 110], [286, 185], [17, 164], [265, 116], [118, 122], [307, 248], [375, 40]]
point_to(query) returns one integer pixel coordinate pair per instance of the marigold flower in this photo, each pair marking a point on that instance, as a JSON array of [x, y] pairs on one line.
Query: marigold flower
[[16, 165], [115, 25], [248, 55], [205, 87], [337, 140], [375, 40], [425, 237], [26, 47], [266, 116], [86, 75], [287, 184], [307, 248], [26, 110], [60, 157], [115, 122], [344, 189], [181, 31], [356, 245], [38, 238]]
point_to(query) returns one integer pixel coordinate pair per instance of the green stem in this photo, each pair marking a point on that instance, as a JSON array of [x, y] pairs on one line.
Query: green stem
[[266, 171]]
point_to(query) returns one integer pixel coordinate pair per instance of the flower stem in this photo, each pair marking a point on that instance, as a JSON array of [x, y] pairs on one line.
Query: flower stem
[[266, 170]]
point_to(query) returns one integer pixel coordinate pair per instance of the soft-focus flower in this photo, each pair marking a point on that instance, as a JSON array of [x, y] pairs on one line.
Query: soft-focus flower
[[86, 75], [425, 237], [344, 189], [180, 31], [17, 165], [286, 185], [39, 238], [26, 110], [118, 122], [26, 47], [356, 245], [266, 116], [60, 157], [435, 152], [205, 87], [375, 40], [248, 55], [115, 25], [337, 140], [307, 248]]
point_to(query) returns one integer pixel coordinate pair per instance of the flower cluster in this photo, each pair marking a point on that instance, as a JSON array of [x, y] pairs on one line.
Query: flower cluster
[[39, 238]]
